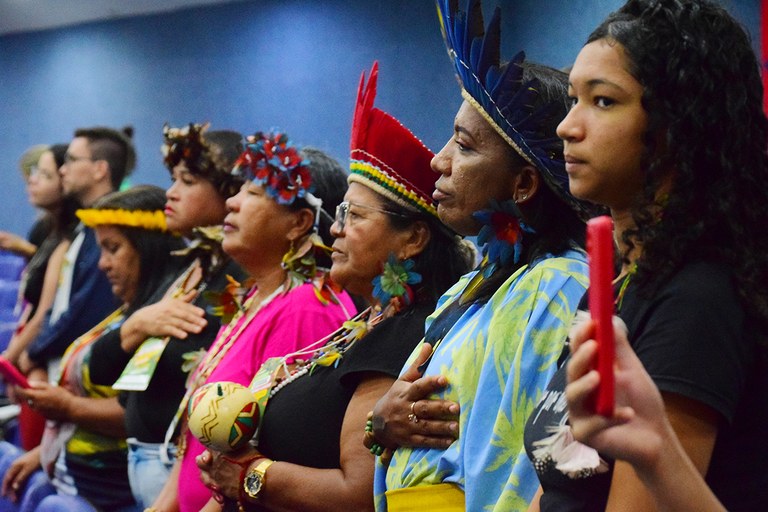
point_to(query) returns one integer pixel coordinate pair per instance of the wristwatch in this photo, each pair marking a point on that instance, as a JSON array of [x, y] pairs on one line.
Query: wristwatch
[[253, 483]]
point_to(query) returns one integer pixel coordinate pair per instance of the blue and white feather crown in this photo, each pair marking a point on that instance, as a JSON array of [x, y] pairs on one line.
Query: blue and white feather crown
[[515, 108]]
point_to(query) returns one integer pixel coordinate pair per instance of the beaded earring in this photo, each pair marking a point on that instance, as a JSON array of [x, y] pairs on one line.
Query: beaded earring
[[393, 286]]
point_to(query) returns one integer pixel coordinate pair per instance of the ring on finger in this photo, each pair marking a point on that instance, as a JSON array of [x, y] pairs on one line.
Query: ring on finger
[[30, 402], [413, 417]]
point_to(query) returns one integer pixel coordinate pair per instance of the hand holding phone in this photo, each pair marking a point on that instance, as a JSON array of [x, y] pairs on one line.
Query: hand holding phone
[[11, 374], [600, 256]]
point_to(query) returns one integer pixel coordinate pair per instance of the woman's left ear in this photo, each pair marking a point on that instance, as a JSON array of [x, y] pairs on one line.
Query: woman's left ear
[[417, 240], [525, 184], [304, 220]]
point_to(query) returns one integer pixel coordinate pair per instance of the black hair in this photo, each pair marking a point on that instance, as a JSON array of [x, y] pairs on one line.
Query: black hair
[[207, 154], [707, 137], [445, 258], [115, 147], [329, 183], [56, 224], [558, 226], [59, 152], [64, 221], [153, 246], [225, 146]]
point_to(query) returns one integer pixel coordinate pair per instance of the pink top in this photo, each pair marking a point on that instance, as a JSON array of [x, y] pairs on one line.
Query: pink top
[[287, 324]]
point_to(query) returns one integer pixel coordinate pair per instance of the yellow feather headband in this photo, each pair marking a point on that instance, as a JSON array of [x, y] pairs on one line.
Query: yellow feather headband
[[144, 219]]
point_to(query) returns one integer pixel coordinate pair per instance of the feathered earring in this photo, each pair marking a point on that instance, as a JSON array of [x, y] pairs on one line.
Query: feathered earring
[[501, 235], [300, 262], [228, 302], [393, 286]]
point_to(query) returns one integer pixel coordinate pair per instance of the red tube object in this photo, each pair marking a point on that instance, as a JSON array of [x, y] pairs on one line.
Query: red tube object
[[600, 255]]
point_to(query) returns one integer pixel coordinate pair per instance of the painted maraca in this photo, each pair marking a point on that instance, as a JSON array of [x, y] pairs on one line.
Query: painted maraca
[[223, 416]]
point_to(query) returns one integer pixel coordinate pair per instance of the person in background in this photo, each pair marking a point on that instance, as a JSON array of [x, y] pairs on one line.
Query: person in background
[[46, 193], [95, 164], [42, 226], [179, 321], [388, 221], [83, 451], [40, 276], [270, 230], [667, 129]]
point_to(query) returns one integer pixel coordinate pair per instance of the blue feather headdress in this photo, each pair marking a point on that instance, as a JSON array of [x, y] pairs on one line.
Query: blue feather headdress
[[513, 107]]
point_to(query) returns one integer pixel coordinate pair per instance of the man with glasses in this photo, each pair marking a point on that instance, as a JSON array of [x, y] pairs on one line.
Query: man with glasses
[[96, 162]]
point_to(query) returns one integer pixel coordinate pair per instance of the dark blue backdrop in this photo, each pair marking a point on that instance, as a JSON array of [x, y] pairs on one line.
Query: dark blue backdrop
[[251, 65]]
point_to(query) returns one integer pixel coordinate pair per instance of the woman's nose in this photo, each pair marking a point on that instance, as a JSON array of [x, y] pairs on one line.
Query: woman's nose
[[441, 162]]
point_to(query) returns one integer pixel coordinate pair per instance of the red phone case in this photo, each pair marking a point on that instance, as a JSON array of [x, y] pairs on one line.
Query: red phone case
[[11, 374], [600, 253]]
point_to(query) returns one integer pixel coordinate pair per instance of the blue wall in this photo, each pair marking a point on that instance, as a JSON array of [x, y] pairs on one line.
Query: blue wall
[[288, 64]]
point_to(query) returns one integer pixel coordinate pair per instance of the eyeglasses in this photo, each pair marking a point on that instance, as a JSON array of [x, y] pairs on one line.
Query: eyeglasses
[[42, 173], [70, 159], [342, 211]]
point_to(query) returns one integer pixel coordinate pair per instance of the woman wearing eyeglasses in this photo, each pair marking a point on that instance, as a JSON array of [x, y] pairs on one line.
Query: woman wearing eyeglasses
[[392, 250]]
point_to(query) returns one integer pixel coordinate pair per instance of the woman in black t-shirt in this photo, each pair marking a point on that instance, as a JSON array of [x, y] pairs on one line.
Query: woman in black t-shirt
[[315, 417], [639, 431], [666, 128]]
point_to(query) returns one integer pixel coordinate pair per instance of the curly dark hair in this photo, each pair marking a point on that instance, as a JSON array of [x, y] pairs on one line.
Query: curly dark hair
[[207, 154], [707, 132]]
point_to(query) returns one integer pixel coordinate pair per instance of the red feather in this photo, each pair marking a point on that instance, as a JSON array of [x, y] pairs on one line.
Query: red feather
[[366, 94]]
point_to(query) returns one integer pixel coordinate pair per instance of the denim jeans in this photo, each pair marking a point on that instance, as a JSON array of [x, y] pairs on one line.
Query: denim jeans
[[35, 488], [147, 472], [59, 502]]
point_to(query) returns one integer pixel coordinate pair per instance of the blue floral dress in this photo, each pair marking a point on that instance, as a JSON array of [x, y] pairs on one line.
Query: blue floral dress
[[498, 358]]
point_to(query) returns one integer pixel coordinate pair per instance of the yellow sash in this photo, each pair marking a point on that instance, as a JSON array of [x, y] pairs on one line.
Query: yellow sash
[[432, 498]]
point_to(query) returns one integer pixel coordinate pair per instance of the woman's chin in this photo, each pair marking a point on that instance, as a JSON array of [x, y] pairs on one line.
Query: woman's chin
[[124, 296], [462, 224], [338, 275], [228, 246]]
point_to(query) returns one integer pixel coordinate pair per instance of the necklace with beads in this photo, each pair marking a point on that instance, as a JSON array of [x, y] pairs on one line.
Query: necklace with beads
[[327, 351], [221, 346]]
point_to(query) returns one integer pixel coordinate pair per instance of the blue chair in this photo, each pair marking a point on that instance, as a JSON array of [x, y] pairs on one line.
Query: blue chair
[[11, 266]]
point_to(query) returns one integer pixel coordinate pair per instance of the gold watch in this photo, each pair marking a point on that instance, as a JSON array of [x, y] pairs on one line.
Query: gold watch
[[253, 483]]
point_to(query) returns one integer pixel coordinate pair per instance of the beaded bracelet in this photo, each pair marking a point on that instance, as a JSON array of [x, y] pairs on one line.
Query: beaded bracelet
[[369, 441]]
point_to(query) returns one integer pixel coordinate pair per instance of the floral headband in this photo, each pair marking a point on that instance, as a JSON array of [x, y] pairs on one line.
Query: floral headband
[[143, 219], [271, 160], [188, 145]]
